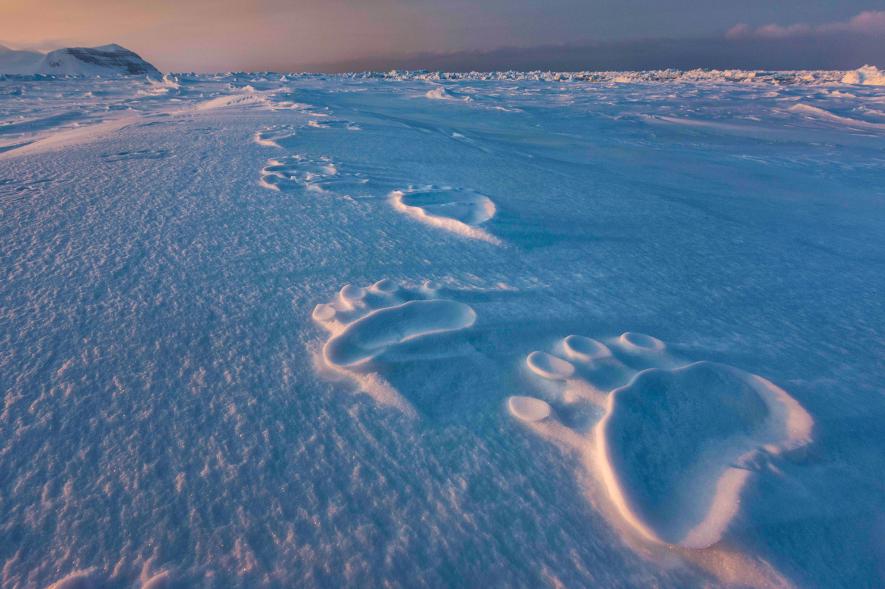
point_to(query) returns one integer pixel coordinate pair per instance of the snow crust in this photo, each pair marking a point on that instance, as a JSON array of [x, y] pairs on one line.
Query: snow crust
[[581, 330]]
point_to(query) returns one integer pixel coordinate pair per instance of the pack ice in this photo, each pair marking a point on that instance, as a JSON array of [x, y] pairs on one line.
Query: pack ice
[[512, 329]]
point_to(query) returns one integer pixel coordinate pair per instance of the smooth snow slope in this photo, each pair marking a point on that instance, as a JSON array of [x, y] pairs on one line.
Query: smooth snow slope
[[582, 330]]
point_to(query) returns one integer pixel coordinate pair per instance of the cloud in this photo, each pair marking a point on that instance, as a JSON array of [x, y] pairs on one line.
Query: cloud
[[869, 22], [837, 51]]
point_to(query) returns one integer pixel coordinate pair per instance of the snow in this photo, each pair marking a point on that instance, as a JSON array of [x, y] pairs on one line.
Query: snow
[[549, 366], [584, 349], [385, 327], [440, 93], [584, 329], [816, 112], [867, 75], [680, 483], [528, 408]]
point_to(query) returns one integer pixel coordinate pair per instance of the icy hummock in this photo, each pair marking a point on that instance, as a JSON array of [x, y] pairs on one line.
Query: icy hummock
[[623, 77], [867, 75], [421, 328]]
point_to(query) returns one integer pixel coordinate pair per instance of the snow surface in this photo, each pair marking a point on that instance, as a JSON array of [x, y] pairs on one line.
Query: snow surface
[[616, 329]]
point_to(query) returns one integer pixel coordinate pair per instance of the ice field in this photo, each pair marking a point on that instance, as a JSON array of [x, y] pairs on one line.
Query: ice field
[[415, 330]]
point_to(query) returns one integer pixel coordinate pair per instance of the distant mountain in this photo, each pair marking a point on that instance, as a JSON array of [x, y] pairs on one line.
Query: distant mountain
[[19, 62], [77, 61]]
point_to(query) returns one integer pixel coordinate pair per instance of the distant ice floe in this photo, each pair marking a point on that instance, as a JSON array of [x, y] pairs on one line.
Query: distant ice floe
[[457, 210], [168, 85], [867, 75], [676, 442]]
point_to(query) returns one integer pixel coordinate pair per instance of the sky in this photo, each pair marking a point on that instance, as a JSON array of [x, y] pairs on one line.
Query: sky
[[289, 35]]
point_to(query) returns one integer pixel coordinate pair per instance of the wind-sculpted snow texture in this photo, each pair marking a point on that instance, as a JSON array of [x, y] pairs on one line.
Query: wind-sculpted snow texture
[[420, 329]]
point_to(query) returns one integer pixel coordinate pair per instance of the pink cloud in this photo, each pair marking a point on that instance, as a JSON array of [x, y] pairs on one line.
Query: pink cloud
[[869, 22]]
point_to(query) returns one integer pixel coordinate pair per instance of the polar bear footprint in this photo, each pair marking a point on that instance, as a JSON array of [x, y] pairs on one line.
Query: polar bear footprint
[[671, 443]]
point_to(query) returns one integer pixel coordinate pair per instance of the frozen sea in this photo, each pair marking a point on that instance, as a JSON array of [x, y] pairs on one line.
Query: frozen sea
[[413, 330]]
